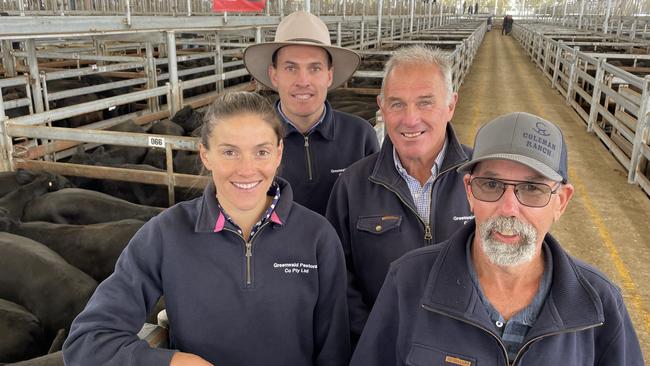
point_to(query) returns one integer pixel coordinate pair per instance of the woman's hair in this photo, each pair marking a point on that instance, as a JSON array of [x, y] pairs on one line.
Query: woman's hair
[[238, 103]]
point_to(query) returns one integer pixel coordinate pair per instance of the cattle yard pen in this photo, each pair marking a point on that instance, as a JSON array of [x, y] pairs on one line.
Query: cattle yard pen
[[606, 79], [150, 73]]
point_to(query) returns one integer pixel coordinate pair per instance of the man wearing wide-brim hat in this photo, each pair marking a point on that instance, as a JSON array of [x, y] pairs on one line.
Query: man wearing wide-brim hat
[[320, 142]]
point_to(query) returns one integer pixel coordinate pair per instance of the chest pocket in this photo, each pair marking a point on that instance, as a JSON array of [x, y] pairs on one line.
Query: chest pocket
[[379, 224], [421, 355]]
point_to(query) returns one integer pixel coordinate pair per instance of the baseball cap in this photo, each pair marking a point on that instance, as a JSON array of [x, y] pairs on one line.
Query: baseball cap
[[523, 138]]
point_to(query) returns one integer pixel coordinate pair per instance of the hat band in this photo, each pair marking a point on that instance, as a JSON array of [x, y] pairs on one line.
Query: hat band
[[303, 40]]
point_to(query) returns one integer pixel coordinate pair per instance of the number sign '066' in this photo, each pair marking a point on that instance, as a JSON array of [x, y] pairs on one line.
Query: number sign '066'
[[156, 141]]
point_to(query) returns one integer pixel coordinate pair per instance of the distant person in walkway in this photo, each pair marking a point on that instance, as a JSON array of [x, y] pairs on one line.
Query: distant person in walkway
[[319, 142], [489, 23], [475, 8], [408, 195], [507, 25], [502, 290], [249, 277]]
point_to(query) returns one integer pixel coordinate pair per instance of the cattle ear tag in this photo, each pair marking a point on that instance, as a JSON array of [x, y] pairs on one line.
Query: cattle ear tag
[[457, 361]]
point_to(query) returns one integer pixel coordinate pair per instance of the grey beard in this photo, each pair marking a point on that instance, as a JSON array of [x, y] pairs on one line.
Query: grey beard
[[503, 254]]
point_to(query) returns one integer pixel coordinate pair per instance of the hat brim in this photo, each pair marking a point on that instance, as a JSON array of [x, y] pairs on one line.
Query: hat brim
[[542, 169], [257, 59]]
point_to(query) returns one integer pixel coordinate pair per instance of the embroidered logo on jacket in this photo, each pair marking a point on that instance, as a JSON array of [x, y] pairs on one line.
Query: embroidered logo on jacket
[[457, 361], [296, 268]]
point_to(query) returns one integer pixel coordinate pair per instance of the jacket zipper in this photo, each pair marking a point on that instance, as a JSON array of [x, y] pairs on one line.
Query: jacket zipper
[[310, 176], [523, 347], [503, 347], [428, 236], [248, 245]]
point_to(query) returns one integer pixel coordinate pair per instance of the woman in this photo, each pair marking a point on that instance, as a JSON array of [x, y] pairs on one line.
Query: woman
[[249, 277]]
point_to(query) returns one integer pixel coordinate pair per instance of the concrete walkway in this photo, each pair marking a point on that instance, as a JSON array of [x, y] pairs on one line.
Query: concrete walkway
[[608, 221]]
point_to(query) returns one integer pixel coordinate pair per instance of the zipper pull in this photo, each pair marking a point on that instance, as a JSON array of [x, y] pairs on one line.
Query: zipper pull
[[249, 249], [249, 254], [427, 232], [306, 140]]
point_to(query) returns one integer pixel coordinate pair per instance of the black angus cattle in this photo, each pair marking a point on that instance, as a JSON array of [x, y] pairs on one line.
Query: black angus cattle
[[64, 207], [189, 119], [21, 333], [53, 359], [10, 181], [92, 248], [35, 277], [75, 121], [15, 201]]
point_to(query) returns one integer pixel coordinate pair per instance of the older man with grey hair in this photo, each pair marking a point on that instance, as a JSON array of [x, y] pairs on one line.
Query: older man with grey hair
[[502, 290], [407, 195]]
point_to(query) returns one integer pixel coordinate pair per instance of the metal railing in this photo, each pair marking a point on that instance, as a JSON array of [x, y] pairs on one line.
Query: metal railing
[[614, 103]]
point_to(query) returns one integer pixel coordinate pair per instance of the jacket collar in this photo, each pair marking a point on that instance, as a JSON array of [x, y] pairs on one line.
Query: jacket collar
[[325, 128], [210, 216], [449, 290], [384, 171]]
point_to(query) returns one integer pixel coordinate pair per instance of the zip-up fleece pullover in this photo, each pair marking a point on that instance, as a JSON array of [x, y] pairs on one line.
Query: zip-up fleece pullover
[[373, 212], [312, 163], [282, 305], [429, 313]]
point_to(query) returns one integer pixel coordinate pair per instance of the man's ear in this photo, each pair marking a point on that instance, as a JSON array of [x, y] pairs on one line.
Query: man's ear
[[564, 195]]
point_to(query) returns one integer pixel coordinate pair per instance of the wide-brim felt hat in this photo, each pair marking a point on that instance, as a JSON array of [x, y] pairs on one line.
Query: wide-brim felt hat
[[305, 29]]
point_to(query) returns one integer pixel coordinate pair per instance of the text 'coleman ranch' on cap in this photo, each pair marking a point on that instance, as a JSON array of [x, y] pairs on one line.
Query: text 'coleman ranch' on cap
[[302, 29], [523, 138]]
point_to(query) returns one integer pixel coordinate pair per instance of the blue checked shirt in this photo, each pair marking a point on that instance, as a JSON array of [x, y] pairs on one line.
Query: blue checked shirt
[[514, 331], [421, 194]]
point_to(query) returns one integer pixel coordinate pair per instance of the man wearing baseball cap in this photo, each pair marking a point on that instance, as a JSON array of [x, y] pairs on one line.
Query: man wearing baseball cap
[[502, 291], [320, 142]]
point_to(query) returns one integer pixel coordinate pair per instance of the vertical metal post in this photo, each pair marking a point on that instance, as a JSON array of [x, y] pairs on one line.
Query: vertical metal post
[[412, 15], [344, 8], [607, 14], [189, 8], [21, 7], [633, 29], [595, 97], [8, 59], [441, 10], [582, 11], [175, 103], [258, 35], [392, 28], [642, 125], [128, 12], [6, 156], [572, 75], [338, 34], [170, 174], [152, 77], [218, 61], [566, 3], [281, 8], [34, 76], [308, 6], [380, 5], [363, 24]]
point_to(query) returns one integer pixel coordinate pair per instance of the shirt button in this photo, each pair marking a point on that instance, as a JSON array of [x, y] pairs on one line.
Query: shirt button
[[417, 195], [499, 324], [378, 228]]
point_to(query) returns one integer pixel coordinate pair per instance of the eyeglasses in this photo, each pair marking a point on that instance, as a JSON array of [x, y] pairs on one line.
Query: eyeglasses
[[531, 194]]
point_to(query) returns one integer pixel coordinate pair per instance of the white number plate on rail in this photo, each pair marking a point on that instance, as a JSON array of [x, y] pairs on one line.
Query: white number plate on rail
[[155, 141]]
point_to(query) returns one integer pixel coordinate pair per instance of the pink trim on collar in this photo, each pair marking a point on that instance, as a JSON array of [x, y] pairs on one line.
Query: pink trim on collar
[[221, 222], [275, 218]]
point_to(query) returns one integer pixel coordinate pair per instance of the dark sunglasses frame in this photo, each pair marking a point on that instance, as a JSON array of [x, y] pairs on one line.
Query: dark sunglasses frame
[[515, 184]]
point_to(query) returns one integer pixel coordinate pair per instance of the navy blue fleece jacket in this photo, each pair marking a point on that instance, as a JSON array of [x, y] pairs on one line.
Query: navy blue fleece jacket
[[429, 313], [311, 163], [291, 312]]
